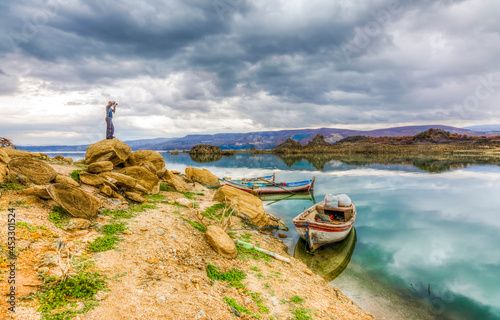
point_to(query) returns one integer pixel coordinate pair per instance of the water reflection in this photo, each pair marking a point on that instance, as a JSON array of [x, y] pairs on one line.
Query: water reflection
[[205, 158], [327, 261]]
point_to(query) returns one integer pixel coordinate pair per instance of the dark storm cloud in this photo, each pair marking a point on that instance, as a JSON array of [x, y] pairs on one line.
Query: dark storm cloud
[[311, 62]]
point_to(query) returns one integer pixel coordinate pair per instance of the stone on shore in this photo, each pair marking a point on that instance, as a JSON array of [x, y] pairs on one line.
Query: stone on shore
[[150, 166], [101, 166], [77, 202], [144, 177], [39, 191], [221, 242], [141, 156], [134, 196], [91, 179], [175, 182], [19, 153], [112, 150], [32, 170], [202, 176], [119, 180], [65, 179], [248, 206]]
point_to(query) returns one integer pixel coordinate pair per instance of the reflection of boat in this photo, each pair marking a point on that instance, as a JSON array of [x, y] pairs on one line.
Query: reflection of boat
[[266, 178], [320, 225], [275, 197], [266, 186], [330, 260]]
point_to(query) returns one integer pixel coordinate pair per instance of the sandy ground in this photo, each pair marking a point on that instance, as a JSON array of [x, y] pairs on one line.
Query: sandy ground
[[159, 270]]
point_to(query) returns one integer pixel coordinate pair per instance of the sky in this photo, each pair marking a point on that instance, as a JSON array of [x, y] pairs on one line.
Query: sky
[[213, 66]]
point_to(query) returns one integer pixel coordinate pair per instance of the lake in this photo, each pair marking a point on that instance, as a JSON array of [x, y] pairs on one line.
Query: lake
[[426, 234]]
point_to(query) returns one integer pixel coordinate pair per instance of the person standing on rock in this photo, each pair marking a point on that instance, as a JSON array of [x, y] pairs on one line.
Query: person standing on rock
[[110, 129]]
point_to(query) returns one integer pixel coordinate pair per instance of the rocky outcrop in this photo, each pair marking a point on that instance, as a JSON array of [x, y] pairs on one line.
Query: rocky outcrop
[[112, 150], [19, 153], [67, 180], [31, 170], [202, 176], [144, 177], [101, 166], [77, 202], [317, 141], [289, 145], [141, 156], [134, 196], [151, 167], [4, 157], [205, 149], [4, 173], [39, 191], [221, 242], [91, 179], [248, 206], [175, 182]]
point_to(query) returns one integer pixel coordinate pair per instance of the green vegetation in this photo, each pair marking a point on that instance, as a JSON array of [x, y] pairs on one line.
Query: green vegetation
[[231, 234], [117, 214], [258, 300], [246, 236], [18, 203], [114, 228], [254, 268], [30, 226], [141, 207], [245, 254], [196, 225], [176, 212], [196, 205], [301, 314], [297, 299], [189, 195], [266, 286], [215, 211], [164, 187], [231, 302], [176, 204], [11, 186], [59, 217], [104, 243], [155, 197], [75, 175], [233, 276]]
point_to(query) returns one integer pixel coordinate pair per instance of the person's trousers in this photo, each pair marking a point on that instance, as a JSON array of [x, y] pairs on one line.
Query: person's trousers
[[110, 129]]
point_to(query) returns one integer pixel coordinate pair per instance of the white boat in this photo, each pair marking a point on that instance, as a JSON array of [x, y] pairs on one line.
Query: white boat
[[266, 186], [320, 225]]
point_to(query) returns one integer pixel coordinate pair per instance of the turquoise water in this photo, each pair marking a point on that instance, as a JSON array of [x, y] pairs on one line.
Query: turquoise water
[[427, 243], [427, 239]]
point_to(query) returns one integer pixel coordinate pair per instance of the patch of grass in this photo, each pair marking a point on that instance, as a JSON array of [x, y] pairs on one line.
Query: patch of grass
[[11, 186], [246, 236], [301, 314], [70, 314], [142, 207], [115, 228], [266, 286], [254, 268], [196, 205], [231, 234], [164, 187], [55, 294], [260, 303], [104, 243], [176, 204], [259, 275], [30, 226], [18, 203], [297, 299], [155, 197], [75, 175], [176, 212], [196, 225], [214, 212], [241, 309], [59, 217], [117, 214], [233, 276], [245, 254]]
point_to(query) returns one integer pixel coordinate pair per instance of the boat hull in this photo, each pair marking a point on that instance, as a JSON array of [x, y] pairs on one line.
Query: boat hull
[[317, 234], [270, 188]]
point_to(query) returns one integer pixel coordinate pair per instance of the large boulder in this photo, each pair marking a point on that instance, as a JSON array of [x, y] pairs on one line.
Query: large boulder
[[4, 173], [175, 182], [202, 176], [248, 206], [19, 153], [138, 157], [119, 179], [28, 169], [134, 196], [101, 166], [221, 242], [4, 157], [91, 179], [112, 150], [39, 191], [151, 167], [77, 202], [144, 177], [65, 179]]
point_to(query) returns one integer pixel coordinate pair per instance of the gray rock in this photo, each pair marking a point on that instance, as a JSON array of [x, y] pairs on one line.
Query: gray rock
[[173, 237], [201, 313], [162, 299], [160, 231]]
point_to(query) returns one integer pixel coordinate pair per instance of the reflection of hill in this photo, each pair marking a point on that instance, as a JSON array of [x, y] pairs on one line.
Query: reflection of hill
[[203, 158], [328, 261]]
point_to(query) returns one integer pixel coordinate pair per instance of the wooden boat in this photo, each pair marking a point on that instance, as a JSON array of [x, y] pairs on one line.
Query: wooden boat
[[329, 260], [266, 178], [320, 225], [265, 186]]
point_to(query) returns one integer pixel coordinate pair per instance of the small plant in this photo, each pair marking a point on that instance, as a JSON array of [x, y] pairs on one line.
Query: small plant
[[266, 286], [214, 212], [231, 234], [164, 187], [75, 175], [254, 268], [59, 217], [245, 254], [196, 205], [115, 228], [30, 227], [241, 309], [196, 225], [155, 197], [176, 204], [296, 299], [18, 203], [233, 276], [104, 243], [259, 275], [301, 314], [142, 207], [246, 236], [118, 214], [11, 186], [258, 300], [176, 212]]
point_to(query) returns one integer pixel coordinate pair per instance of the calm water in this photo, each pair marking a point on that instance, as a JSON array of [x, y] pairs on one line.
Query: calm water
[[426, 245]]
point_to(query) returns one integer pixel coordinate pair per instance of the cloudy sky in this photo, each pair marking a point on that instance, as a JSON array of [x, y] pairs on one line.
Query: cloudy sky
[[206, 66]]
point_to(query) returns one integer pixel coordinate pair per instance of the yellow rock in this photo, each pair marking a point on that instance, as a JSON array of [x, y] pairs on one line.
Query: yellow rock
[[65, 179], [4, 157], [176, 182], [202, 176], [144, 177], [112, 150], [248, 206], [141, 156], [91, 179], [221, 242]]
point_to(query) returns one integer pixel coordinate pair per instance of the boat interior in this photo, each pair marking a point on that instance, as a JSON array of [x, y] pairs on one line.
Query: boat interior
[[330, 215]]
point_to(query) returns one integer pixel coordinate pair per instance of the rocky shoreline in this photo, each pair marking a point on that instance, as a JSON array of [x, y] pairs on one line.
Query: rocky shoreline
[[150, 243]]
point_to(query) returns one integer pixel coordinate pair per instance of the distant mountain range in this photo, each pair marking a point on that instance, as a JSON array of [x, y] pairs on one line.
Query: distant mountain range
[[487, 128], [264, 139]]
